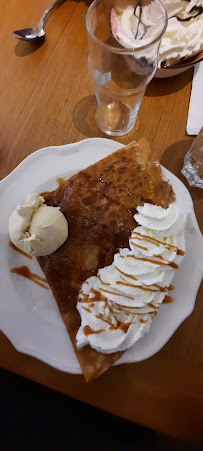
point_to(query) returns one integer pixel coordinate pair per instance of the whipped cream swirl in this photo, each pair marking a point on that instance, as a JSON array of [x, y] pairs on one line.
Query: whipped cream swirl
[[117, 306], [183, 38], [138, 26], [184, 35]]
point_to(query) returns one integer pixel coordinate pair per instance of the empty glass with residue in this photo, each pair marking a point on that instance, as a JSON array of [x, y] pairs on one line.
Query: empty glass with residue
[[124, 39]]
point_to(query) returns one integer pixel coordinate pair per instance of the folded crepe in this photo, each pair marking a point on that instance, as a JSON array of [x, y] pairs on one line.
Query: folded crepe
[[99, 204]]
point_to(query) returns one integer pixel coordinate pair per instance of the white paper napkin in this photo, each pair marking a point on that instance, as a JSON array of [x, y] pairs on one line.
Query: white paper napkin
[[195, 115]]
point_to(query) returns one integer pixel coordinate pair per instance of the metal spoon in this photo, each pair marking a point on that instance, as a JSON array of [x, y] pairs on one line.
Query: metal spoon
[[31, 34]]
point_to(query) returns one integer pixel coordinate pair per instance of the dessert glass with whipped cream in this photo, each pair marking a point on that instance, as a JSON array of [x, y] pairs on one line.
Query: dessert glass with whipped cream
[[183, 38], [118, 304], [120, 71], [184, 35]]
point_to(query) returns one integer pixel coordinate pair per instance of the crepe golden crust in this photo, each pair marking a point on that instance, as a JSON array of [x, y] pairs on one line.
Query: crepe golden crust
[[99, 203]]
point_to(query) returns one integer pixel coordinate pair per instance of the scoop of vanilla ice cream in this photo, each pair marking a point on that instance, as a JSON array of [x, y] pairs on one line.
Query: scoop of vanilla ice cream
[[50, 228], [36, 228]]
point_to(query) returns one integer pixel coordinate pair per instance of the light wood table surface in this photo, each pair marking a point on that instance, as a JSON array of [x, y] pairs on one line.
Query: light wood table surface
[[46, 99]]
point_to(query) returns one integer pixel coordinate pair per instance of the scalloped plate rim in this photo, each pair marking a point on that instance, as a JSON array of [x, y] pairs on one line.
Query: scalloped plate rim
[[63, 149]]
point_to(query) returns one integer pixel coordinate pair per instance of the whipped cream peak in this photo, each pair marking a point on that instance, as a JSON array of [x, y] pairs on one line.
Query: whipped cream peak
[[136, 27], [117, 306], [170, 220], [155, 211]]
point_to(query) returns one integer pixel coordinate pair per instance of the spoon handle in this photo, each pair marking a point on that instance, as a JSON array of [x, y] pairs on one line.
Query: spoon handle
[[48, 10]]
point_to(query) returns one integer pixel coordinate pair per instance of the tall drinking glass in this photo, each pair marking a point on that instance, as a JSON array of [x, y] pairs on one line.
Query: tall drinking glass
[[124, 39]]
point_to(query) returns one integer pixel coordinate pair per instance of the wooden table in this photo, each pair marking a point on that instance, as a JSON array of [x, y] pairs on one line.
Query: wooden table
[[46, 100]]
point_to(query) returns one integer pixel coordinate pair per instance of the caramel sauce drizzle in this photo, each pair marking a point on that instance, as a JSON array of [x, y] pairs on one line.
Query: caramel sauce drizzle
[[137, 313], [119, 325], [122, 326], [19, 250], [92, 290], [162, 289], [158, 242], [140, 247], [172, 264], [116, 294], [87, 299], [170, 288], [87, 309], [106, 321], [104, 283], [142, 287], [25, 272], [162, 263], [60, 181], [168, 300], [98, 297], [89, 331], [124, 274], [123, 307], [152, 305], [109, 307]]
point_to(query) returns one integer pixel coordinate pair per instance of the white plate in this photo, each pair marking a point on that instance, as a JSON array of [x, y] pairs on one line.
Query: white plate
[[29, 316]]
